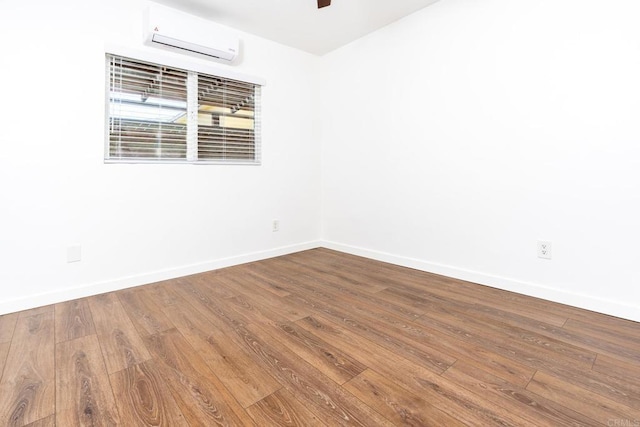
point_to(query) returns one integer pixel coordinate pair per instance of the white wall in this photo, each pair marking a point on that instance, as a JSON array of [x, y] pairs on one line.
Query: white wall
[[456, 138], [135, 223], [492, 124]]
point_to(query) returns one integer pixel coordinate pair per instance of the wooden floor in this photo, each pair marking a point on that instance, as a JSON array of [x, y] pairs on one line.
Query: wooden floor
[[317, 338]]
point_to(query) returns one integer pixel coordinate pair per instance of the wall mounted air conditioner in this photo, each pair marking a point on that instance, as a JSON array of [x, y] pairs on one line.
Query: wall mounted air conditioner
[[178, 30]]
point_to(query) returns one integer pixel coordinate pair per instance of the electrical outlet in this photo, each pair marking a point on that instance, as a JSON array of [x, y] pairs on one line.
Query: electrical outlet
[[275, 226], [544, 249], [74, 253]]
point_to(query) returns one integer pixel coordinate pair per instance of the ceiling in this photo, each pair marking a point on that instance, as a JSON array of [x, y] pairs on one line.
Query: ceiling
[[299, 23]]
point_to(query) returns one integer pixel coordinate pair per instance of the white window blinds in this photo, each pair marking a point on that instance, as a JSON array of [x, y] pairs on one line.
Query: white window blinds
[[164, 114]]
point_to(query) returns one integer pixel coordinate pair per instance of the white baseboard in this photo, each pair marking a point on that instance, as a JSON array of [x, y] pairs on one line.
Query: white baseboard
[[614, 308], [39, 300]]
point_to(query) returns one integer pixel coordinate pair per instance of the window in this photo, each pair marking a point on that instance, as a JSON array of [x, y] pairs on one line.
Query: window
[[159, 113]]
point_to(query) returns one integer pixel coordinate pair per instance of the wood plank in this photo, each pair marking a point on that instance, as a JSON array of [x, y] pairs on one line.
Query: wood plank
[[328, 359], [49, 421], [73, 320], [163, 296], [120, 343], [250, 310], [415, 350], [144, 398], [280, 279], [529, 347], [201, 397], [458, 299], [623, 344], [213, 284], [592, 405], [381, 274], [604, 322], [145, 315], [311, 267], [397, 404], [7, 326], [268, 285], [306, 382], [534, 330], [366, 266], [598, 325], [377, 331], [417, 281], [602, 344], [622, 372], [282, 409], [426, 337], [536, 409], [83, 392], [597, 342], [331, 402], [323, 356], [472, 306], [502, 364], [246, 380], [323, 286], [579, 374], [28, 381], [460, 404], [508, 369], [248, 286], [394, 332], [4, 351], [625, 392]]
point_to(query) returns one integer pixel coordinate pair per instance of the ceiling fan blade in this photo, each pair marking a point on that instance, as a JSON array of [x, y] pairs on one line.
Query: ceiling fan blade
[[323, 3]]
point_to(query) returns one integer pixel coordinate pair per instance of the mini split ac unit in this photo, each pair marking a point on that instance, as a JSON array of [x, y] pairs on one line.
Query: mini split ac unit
[[179, 30]]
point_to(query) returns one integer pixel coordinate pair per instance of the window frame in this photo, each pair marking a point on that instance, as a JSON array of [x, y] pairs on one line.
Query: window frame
[[179, 62]]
